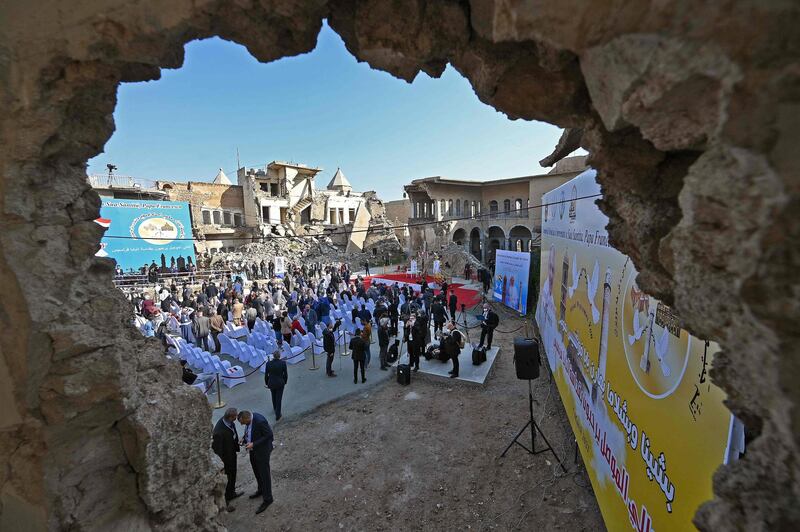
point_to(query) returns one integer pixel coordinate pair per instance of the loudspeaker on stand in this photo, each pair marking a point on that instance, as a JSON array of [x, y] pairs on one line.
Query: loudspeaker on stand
[[526, 358]]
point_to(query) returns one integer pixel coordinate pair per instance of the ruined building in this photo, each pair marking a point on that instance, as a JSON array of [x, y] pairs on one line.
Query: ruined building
[[689, 112], [219, 220], [282, 198]]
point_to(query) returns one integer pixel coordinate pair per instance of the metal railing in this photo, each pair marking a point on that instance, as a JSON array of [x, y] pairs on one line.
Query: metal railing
[[136, 280], [120, 181]]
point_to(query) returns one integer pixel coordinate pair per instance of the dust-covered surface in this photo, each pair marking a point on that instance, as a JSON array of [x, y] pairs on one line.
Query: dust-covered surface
[[425, 457]]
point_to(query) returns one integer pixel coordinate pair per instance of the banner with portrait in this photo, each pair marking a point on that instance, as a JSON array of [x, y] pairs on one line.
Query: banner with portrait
[[510, 286], [650, 425]]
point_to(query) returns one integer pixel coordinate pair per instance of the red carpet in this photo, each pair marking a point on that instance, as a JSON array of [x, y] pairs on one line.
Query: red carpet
[[468, 297]]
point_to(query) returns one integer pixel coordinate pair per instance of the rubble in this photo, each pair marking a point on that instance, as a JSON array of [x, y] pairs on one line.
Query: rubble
[[311, 248], [293, 249], [453, 259]]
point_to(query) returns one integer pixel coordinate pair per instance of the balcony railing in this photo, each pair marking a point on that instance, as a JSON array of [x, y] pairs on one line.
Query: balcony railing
[[120, 181]]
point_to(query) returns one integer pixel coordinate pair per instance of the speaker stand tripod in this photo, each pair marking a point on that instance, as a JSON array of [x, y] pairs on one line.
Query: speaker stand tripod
[[534, 429]]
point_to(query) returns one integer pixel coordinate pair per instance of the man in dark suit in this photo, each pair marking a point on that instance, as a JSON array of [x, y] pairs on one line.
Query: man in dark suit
[[225, 444], [453, 304], [276, 376], [358, 354], [329, 345], [257, 440], [451, 343], [439, 315], [489, 321]]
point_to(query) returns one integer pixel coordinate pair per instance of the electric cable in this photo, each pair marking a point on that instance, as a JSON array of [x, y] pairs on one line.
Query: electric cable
[[481, 217]]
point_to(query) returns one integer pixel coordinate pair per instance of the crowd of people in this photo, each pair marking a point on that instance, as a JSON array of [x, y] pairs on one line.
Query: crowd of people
[[299, 301], [304, 299]]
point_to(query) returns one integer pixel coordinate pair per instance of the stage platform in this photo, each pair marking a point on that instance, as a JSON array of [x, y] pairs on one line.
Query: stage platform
[[466, 371]]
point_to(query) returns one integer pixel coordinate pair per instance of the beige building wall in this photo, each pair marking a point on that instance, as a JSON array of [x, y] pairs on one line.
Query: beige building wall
[[436, 199], [219, 221]]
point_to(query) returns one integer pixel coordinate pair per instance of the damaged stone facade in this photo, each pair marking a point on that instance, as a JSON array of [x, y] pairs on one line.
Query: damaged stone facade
[[688, 109], [218, 218], [282, 199]]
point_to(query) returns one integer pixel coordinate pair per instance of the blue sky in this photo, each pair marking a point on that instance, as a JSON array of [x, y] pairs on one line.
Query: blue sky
[[323, 109]]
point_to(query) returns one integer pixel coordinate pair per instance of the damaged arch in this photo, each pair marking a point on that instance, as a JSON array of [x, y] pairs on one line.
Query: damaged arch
[[704, 202]]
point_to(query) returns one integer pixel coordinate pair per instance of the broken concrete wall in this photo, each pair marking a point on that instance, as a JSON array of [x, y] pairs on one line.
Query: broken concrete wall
[[319, 209], [689, 112], [358, 230]]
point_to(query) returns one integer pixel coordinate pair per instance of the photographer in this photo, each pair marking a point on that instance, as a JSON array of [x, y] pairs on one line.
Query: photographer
[[451, 344]]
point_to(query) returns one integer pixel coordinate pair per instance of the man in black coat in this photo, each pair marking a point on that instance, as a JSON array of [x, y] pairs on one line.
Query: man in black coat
[[329, 346], [453, 304], [358, 354], [276, 375], [451, 343], [438, 315], [225, 444], [485, 278], [488, 324], [257, 440], [416, 340], [222, 309], [383, 342], [393, 315]]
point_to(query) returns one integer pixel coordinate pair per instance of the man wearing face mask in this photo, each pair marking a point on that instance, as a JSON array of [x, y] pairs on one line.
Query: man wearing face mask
[[489, 321]]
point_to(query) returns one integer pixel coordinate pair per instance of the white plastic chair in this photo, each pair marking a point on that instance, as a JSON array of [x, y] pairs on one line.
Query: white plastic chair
[[317, 344], [231, 371], [288, 352], [296, 338]]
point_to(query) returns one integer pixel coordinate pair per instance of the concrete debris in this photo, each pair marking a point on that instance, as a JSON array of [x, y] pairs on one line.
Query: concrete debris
[[453, 258], [311, 248]]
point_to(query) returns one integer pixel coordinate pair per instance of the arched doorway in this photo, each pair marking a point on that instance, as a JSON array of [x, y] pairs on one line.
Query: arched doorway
[[494, 241], [520, 237], [475, 242], [460, 236]]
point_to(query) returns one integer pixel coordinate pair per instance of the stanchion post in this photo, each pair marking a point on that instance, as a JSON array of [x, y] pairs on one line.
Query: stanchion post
[[313, 359], [220, 402], [344, 343]]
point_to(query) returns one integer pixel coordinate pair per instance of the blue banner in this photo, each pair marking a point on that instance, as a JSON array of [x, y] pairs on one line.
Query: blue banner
[[142, 232]]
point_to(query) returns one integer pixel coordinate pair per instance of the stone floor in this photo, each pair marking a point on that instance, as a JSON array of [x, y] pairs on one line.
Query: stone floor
[[305, 390]]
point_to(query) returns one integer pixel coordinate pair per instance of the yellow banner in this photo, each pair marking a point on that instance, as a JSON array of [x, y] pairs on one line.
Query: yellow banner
[[650, 425]]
